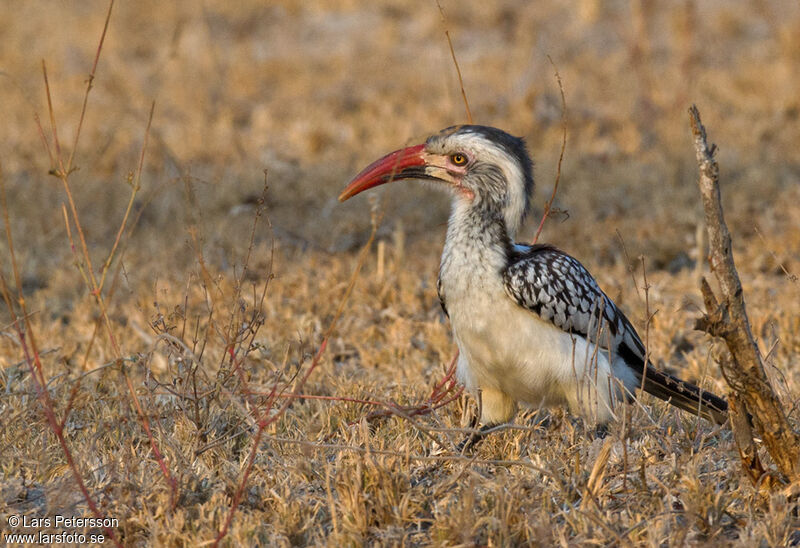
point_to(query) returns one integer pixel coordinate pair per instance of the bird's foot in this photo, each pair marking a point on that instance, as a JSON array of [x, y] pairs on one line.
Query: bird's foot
[[469, 442], [600, 430], [474, 438]]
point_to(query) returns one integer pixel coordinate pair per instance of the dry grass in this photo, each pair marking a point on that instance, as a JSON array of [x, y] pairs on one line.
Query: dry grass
[[312, 92]]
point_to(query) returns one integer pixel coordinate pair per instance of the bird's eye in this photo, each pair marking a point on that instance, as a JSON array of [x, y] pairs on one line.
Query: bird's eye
[[459, 159]]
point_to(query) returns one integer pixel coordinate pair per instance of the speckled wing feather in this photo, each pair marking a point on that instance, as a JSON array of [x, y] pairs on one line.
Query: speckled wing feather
[[440, 292], [558, 288]]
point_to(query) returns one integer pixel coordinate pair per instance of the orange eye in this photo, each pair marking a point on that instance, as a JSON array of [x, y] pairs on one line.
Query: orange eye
[[459, 159]]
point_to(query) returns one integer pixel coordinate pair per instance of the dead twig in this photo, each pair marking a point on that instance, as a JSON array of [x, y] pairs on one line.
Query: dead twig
[[455, 61], [548, 206], [753, 400]]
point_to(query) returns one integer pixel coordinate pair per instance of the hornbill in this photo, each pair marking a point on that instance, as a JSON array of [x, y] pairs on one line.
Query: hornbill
[[531, 323]]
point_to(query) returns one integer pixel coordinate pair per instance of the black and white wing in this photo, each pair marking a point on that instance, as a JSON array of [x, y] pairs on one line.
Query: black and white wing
[[558, 288]]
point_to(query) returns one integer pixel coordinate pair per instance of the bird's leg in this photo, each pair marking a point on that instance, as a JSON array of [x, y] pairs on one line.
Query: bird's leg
[[472, 439], [496, 407], [600, 428]]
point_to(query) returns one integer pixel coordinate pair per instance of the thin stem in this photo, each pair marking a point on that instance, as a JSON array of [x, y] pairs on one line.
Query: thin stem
[[548, 206], [455, 61], [89, 83]]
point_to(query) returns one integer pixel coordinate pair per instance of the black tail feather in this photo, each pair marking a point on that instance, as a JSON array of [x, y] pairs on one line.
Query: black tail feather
[[685, 395]]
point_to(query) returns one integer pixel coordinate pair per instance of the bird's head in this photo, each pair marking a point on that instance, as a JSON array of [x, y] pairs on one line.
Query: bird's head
[[485, 167]]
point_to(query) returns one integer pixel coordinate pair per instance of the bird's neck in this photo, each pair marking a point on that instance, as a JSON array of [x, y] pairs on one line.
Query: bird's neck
[[477, 243]]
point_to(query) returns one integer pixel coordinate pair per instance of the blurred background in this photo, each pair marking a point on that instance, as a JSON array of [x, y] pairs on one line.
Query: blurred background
[[310, 92], [313, 91]]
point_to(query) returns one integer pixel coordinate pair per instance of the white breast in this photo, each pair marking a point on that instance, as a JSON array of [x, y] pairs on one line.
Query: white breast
[[507, 349], [510, 349]]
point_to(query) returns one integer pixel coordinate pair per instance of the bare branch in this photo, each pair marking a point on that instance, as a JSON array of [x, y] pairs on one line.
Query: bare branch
[[751, 394], [549, 205]]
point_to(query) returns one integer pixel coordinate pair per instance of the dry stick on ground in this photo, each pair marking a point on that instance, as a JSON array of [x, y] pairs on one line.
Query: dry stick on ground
[[751, 393]]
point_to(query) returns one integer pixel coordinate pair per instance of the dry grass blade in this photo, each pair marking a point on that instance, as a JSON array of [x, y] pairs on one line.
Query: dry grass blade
[[63, 173], [27, 341], [597, 474], [455, 61], [89, 83], [135, 186], [549, 204], [55, 170], [789, 276]]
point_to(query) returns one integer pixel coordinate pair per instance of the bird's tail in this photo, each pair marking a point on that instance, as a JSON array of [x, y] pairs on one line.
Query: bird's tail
[[684, 395]]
